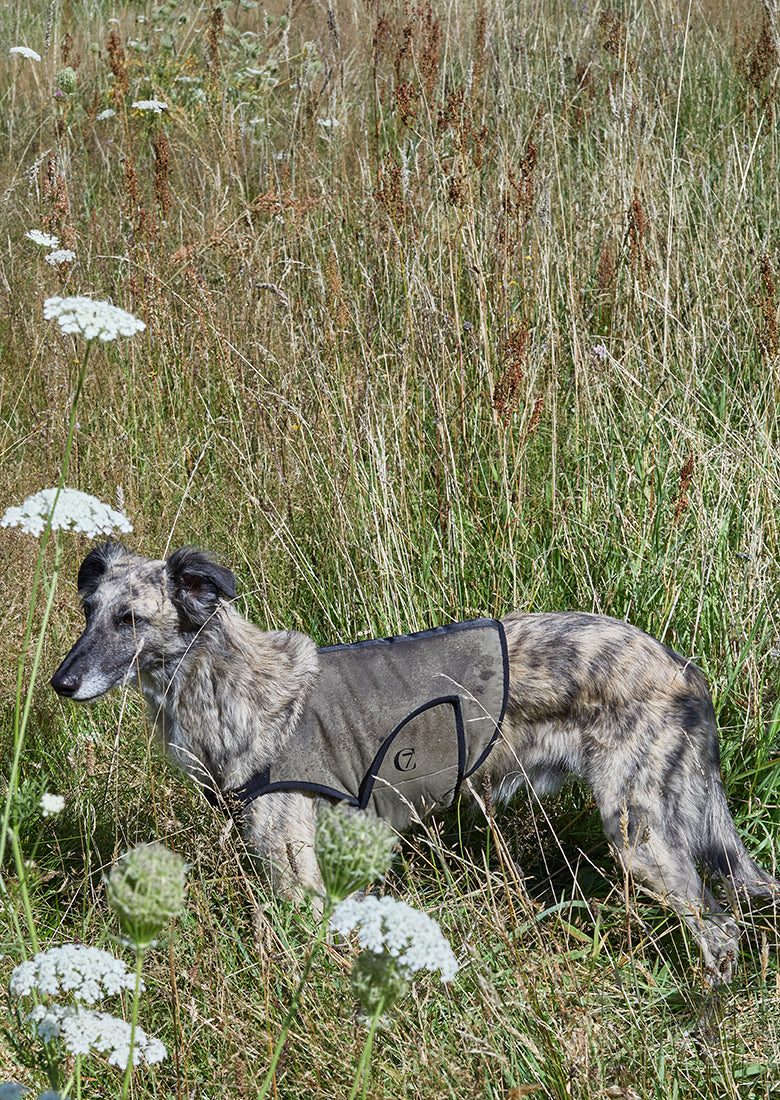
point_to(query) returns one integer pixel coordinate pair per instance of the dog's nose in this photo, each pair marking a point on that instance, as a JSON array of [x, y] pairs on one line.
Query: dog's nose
[[65, 683]]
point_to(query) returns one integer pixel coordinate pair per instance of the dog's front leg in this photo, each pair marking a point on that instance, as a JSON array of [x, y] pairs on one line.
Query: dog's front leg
[[281, 830]]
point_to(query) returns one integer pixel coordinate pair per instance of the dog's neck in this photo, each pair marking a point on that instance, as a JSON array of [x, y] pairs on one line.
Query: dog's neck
[[226, 704]]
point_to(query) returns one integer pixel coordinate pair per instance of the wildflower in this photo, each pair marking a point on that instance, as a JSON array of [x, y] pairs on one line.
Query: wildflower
[[51, 805], [108, 113], [353, 849], [146, 891], [67, 80], [85, 1030], [328, 123], [86, 972], [378, 982], [44, 239], [61, 256], [599, 351], [89, 318], [73, 511], [389, 926], [156, 105], [31, 55]]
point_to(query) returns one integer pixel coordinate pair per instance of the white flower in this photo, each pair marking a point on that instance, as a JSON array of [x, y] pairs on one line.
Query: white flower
[[31, 55], [600, 351], [328, 123], [108, 113], [61, 256], [86, 317], [156, 105], [51, 805], [86, 972], [45, 239], [388, 925], [85, 1030], [74, 511]]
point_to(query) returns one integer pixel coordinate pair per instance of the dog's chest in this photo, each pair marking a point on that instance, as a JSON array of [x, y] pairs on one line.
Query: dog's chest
[[395, 725]]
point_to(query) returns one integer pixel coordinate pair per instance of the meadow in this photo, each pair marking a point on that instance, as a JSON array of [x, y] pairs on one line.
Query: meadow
[[450, 309]]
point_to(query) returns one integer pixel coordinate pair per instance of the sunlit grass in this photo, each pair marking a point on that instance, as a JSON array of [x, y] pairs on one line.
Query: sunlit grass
[[443, 319]]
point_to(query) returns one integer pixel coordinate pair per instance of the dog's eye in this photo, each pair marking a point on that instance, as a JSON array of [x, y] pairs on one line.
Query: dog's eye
[[127, 618]]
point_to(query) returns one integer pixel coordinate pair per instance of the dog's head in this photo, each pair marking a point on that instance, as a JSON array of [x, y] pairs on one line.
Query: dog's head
[[141, 616]]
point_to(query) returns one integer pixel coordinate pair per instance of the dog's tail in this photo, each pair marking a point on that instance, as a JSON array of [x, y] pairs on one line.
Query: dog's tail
[[725, 856]]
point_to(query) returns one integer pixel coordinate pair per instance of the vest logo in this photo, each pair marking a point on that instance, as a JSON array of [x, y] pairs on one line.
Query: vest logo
[[404, 760]]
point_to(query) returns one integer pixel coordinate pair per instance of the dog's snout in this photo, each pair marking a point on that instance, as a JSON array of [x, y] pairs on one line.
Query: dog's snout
[[65, 683]]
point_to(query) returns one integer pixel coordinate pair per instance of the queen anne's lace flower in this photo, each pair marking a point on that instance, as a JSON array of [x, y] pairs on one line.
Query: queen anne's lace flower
[[86, 972], [387, 925], [108, 113], [74, 511], [61, 256], [25, 51], [44, 239], [85, 1030], [51, 805], [156, 105], [85, 317]]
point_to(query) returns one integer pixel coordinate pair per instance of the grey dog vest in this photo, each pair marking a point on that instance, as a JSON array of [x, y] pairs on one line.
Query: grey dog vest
[[394, 725]]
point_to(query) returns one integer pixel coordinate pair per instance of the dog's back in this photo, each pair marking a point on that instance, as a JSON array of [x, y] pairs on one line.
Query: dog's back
[[587, 695]]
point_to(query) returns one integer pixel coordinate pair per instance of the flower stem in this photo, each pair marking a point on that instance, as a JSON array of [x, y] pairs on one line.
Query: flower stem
[[364, 1065], [139, 961], [21, 875], [293, 1009], [22, 712]]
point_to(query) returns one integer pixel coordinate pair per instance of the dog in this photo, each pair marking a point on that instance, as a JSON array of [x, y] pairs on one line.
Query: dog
[[568, 694]]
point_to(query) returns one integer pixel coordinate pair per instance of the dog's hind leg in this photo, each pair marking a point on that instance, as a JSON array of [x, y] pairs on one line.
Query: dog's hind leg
[[671, 875]]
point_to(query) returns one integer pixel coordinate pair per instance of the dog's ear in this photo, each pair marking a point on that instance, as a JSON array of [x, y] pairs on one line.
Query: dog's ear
[[96, 563], [196, 584]]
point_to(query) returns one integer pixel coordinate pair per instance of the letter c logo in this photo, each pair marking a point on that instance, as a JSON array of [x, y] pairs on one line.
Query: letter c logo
[[404, 761]]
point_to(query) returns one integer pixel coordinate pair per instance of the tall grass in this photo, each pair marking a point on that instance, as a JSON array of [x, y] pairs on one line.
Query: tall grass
[[450, 310]]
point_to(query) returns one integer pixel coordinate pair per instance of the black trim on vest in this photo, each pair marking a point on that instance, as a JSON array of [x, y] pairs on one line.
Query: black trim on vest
[[369, 780], [489, 748]]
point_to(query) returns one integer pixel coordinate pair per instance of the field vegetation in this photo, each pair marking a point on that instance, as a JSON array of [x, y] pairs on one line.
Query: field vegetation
[[450, 309]]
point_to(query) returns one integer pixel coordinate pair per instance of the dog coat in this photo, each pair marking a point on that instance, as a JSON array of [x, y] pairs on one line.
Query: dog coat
[[394, 725]]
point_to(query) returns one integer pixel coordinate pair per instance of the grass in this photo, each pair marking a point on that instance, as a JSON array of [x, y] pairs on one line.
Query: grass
[[449, 312]]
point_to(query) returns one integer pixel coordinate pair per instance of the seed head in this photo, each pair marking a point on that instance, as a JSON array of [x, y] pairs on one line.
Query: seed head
[[67, 80], [146, 891], [378, 981], [353, 849]]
